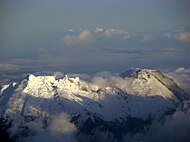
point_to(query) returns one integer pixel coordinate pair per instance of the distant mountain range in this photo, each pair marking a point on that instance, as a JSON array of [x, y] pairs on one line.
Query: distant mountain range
[[104, 108]]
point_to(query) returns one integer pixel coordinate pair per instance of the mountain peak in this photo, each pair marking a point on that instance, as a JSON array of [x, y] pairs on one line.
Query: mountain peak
[[131, 72], [145, 75]]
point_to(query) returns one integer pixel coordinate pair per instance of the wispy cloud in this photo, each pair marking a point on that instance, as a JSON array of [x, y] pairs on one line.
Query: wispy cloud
[[123, 51]]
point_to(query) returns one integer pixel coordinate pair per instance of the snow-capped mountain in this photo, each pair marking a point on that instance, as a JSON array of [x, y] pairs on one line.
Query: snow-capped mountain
[[138, 95]]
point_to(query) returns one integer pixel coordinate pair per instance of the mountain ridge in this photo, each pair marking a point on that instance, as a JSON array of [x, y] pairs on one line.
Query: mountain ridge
[[36, 100]]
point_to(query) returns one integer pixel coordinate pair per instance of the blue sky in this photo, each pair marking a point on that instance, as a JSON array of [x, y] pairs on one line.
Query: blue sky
[[90, 36]]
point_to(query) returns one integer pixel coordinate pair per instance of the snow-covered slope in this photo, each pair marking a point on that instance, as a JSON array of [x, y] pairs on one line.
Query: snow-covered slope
[[145, 74], [137, 94]]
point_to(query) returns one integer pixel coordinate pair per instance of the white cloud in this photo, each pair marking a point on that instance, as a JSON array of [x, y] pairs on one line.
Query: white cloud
[[147, 37], [180, 36], [116, 33], [182, 70], [106, 79], [183, 37], [70, 30], [84, 37], [98, 30], [113, 32]]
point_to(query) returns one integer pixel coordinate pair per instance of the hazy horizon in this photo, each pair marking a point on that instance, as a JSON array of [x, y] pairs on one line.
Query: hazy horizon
[[92, 36]]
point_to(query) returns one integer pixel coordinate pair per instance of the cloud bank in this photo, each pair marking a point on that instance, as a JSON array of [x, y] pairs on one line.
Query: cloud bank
[[84, 37]]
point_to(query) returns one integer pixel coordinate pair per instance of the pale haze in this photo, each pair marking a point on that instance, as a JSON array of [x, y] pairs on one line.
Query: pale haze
[[82, 36]]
